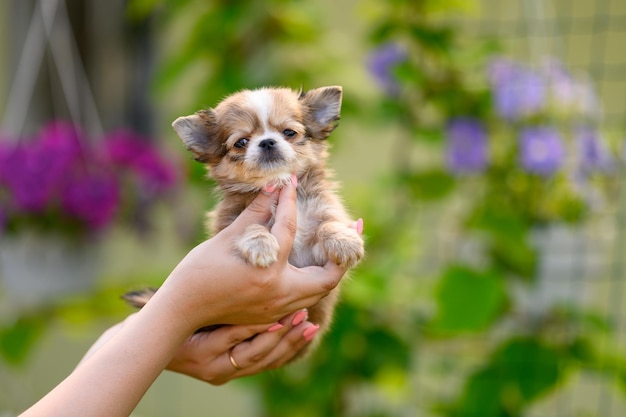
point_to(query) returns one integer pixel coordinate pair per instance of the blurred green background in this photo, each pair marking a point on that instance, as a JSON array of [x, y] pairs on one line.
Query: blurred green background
[[493, 285]]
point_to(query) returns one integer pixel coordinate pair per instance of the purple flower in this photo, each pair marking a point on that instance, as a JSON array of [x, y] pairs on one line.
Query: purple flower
[[562, 85], [5, 158], [63, 137], [381, 63], [517, 91], [569, 94], [61, 174], [92, 198], [34, 170], [592, 152], [541, 150], [156, 175], [467, 146], [26, 177], [127, 150]]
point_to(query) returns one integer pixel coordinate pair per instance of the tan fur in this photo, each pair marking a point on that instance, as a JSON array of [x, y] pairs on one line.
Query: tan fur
[[258, 115]]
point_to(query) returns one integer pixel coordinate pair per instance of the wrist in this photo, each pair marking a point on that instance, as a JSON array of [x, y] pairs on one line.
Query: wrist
[[168, 315], [178, 304]]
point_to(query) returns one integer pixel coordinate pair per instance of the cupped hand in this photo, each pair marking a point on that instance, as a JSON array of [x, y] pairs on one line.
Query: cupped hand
[[253, 348], [213, 285], [231, 352]]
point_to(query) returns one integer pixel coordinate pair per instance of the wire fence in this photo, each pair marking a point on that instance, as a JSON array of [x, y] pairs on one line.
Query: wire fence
[[589, 36], [585, 266]]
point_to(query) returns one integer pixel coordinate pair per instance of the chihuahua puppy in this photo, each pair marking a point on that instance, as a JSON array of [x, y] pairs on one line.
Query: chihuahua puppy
[[258, 137]]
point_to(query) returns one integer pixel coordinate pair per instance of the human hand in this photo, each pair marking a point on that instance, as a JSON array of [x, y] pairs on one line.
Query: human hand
[[212, 285], [231, 352], [207, 355]]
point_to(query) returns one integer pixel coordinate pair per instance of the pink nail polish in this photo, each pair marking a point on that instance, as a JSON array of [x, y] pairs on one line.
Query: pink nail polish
[[299, 317], [275, 327], [359, 226], [310, 332]]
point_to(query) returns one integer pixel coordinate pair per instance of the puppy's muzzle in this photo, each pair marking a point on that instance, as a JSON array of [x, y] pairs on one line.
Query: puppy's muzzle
[[267, 144], [270, 152]]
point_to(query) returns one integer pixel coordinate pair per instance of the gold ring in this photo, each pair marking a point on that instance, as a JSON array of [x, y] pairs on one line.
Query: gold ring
[[232, 360]]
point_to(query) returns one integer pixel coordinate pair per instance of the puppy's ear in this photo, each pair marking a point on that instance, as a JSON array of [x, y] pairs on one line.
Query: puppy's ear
[[199, 133], [323, 106]]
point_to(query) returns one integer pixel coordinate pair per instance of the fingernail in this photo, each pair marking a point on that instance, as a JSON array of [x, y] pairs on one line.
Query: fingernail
[[294, 180], [269, 188], [310, 332], [359, 226], [299, 317], [275, 327]]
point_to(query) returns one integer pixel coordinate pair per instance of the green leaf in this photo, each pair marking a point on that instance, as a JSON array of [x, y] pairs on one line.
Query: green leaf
[[140, 9], [507, 238], [515, 256], [18, 339], [429, 134], [480, 397], [468, 300], [409, 74], [528, 365], [519, 372], [429, 185], [435, 39], [499, 220], [383, 32]]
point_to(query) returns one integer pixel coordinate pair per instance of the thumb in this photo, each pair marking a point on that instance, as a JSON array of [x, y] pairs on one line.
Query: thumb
[[258, 211], [318, 280]]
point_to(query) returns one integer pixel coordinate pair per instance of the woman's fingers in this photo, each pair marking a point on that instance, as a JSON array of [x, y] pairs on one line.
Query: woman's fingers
[[226, 337], [258, 211], [266, 350], [252, 352], [286, 218], [258, 356], [269, 351]]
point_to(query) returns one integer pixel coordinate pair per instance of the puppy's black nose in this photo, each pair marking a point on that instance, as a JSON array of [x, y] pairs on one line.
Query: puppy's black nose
[[267, 144]]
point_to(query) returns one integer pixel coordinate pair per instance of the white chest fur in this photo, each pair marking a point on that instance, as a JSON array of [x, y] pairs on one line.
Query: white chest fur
[[306, 251]]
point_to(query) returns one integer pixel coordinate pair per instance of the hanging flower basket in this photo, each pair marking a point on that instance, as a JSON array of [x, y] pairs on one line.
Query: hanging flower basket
[[63, 188], [60, 192], [38, 268]]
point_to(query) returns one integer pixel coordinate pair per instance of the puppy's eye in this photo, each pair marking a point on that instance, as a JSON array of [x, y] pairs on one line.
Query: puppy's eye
[[289, 133], [241, 143]]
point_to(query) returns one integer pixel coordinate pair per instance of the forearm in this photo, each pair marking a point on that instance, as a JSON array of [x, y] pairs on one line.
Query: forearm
[[113, 380]]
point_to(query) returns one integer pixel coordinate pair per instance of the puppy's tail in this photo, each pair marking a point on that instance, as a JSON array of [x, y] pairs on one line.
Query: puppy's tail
[[139, 298]]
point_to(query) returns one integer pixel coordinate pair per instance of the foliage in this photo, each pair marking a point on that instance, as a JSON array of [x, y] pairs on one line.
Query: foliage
[[17, 338], [21, 331], [242, 44], [521, 147], [59, 182], [459, 289], [518, 148]]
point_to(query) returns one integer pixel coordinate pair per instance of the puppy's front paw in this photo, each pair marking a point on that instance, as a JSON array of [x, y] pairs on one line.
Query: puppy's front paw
[[258, 246], [342, 245]]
